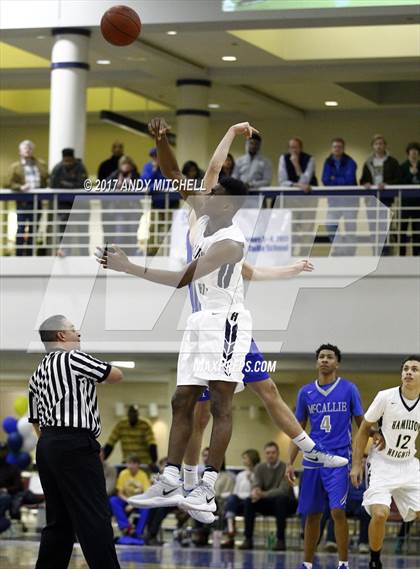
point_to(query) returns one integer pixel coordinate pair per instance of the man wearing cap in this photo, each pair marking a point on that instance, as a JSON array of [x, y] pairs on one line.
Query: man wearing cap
[[136, 437], [70, 174], [152, 172]]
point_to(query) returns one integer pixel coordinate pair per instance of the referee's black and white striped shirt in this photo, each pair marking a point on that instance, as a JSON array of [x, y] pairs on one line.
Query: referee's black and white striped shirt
[[62, 391]]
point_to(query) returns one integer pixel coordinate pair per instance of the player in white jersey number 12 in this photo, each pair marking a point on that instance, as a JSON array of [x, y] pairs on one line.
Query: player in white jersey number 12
[[394, 471]]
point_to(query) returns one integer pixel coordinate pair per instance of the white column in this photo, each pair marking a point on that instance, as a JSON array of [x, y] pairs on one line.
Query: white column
[[193, 119], [69, 70]]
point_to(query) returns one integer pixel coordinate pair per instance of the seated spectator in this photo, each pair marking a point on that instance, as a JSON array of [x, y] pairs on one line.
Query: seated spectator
[[253, 168], [380, 170], [271, 495], [121, 225], [111, 164], [340, 170], [192, 171], [234, 504], [130, 481], [297, 170], [228, 167], [410, 174], [11, 489], [28, 173], [110, 473], [70, 174]]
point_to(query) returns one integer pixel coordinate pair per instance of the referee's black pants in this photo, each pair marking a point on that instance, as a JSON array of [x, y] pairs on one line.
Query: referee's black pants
[[73, 480]]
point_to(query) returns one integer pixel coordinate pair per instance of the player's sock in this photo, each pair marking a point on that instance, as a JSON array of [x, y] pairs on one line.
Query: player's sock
[[172, 472], [210, 476], [304, 442], [190, 476], [375, 555]]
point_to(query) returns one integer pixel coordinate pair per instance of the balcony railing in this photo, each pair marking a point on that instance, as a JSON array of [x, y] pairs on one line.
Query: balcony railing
[[342, 221]]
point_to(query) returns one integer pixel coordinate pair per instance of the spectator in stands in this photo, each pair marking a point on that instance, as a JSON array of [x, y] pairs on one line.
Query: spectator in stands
[[380, 170], [297, 170], [110, 473], [10, 488], [228, 167], [270, 496], [130, 481], [121, 224], [136, 436], [253, 168], [340, 170], [152, 172], [410, 174], [70, 174], [28, 173], [234, 505], [111, 164], [192, 171]]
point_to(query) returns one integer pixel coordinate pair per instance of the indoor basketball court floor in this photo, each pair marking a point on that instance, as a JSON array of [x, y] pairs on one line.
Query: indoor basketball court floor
[[19, 554]]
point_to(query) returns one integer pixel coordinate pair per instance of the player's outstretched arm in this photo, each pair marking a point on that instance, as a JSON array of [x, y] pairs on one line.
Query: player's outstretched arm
[[220, 154], [290, 470], [222, 252], [251, 273], [359, 447]]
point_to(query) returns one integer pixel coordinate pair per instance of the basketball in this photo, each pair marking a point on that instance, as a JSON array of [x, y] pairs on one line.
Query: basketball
[[120, 25]]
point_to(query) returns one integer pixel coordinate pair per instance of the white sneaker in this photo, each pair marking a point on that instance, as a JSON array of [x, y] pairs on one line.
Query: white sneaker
[[161, 494], [322, 458], [201, 498]]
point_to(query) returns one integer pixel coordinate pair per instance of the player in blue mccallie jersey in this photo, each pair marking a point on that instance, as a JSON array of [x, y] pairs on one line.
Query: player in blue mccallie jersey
[[330, 403]]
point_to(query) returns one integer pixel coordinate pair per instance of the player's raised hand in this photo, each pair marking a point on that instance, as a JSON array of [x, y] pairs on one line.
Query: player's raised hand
[[290, 475], [304, 265], [244, 128], [112, 258], [356, 475], [158, 127]]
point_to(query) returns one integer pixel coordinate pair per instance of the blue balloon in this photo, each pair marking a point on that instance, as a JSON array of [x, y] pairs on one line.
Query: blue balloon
[[11, 458], [23, 460], [10, 425], [14, 442]]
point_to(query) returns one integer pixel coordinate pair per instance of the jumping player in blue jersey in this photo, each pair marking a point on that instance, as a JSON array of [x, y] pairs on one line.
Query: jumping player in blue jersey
[[254, 376], [330, 403]]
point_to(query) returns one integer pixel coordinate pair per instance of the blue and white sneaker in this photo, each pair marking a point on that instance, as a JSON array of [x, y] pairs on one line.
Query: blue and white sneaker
[[319, 457]]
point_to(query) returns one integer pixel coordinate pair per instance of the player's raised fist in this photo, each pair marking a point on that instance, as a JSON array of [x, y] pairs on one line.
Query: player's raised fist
[[158, 127], [244, 128]]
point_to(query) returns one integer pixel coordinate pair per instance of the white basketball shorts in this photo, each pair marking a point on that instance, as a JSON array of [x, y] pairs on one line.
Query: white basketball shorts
[[214, 347], [394, 479]]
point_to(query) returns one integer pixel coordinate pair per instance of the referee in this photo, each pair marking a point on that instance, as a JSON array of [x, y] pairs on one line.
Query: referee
[[64, 410]]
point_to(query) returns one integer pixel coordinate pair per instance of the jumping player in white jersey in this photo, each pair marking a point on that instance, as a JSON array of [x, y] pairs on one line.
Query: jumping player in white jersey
[[394, 471], [216, 340]]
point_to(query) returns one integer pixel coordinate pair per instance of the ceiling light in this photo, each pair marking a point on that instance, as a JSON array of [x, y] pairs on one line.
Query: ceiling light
[[172, 33], [103, 61], [126, 364], [331, 103], [40, 37], [229, 58], [213, 106]]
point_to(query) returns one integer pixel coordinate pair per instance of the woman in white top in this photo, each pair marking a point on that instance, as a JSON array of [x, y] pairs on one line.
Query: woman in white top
[[242, 490]]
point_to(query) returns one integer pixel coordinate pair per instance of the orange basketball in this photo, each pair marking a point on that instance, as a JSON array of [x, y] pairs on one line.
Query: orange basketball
[[120, 25]]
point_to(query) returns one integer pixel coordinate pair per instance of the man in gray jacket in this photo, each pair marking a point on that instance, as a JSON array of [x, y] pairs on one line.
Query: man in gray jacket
[[271, 495], [252, 168]]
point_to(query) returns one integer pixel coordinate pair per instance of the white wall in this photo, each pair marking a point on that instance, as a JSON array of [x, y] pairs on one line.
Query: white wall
[[377, 314]]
